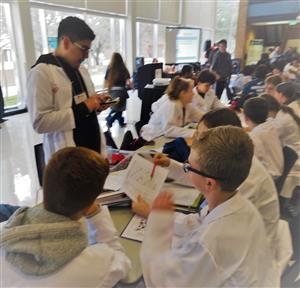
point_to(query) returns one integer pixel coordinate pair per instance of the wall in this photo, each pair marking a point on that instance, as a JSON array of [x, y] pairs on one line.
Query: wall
[[199, 13]]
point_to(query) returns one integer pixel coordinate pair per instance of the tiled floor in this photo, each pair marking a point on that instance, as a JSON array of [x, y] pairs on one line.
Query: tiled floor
[[18, 177]]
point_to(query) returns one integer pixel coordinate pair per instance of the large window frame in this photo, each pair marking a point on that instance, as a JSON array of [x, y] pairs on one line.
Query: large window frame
[[13, 101], [155, 41], [117, 23]]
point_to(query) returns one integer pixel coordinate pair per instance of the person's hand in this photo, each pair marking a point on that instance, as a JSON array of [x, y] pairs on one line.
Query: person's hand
[[162, 160], [103, 97], [92, 210], [164, 201], [92, 103], [141, 207]]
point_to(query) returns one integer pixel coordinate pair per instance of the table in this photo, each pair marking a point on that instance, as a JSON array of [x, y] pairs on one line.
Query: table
[[121, 216]]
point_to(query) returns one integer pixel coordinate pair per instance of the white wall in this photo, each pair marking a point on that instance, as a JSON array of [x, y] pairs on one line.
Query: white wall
[[199, 13]]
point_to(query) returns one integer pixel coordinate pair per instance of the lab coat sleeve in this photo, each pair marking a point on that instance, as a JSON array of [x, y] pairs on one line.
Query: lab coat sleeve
[[170, 126], [195, 115], [217, 103], [102, 230], [188, 265], [41, 105]]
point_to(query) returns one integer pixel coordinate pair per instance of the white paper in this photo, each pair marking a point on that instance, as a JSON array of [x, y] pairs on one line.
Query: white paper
[[182, 195], [135, 229], [114, 180], [138, 180]]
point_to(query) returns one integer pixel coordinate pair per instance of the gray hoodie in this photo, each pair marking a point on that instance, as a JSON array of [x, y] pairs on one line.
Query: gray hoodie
[[39, 242]]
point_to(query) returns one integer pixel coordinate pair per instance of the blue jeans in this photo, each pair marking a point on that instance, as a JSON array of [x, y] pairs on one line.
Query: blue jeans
[[6, 211]]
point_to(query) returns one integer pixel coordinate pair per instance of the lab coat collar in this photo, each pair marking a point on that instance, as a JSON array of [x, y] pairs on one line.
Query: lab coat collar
[[228, 207]]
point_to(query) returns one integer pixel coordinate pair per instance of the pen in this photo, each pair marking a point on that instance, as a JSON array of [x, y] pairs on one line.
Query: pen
[[153, 170]]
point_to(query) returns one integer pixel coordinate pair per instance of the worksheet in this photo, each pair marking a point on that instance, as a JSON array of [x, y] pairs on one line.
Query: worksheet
[[138, 179], [135, 229]]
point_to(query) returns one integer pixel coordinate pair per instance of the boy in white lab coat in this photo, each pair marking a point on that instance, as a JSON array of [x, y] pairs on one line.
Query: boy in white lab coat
[[173, 112], [258, 187], [205, 98], [226, 245], [267, 146], [48, 245]]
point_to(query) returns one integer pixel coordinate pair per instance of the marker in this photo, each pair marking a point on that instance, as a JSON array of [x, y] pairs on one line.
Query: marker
[[153, 170]]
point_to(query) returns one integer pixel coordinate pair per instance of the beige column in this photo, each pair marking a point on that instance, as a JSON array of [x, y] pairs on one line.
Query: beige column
[[241, 33]]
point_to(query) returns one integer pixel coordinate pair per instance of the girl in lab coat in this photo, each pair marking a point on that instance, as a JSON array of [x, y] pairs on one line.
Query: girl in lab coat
[[287, 122], [174, 112]]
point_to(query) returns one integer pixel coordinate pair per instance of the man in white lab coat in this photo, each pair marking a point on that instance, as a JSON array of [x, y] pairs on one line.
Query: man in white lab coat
[[68, 240], [62, 102], [226, 245]]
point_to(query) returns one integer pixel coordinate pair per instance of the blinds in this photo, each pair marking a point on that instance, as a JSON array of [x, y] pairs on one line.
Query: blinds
[[112, 6]]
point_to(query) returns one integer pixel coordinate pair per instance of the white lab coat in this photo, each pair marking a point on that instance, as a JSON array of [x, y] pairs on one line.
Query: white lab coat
[[225, 248], [208, 103], [167, 120], [100, 265], [258, 187], [289, 135], [267, 147], [49, 100]]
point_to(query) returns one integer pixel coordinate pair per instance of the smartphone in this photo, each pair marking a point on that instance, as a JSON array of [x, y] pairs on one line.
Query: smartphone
[[111, 101], [103, 91]]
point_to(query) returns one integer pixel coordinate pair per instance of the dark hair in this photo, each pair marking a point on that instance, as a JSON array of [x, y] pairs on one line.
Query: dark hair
[[256, 109], [206, 76], [274, 80], [288, 89], [279, 65], [221, 117], [73, 179], [177, 85], [223, 41], [261, 71], [272, 103], [248, 70], [118, 71], [264, 56], [74, 28], [186, 71]]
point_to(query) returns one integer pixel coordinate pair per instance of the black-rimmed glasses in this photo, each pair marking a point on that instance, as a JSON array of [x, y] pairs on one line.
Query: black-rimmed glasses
[[188, 168]]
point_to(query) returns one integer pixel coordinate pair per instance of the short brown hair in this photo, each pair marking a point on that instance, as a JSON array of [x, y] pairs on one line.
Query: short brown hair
[[73, 179], [273, 80], [225, 152], [177, 85]]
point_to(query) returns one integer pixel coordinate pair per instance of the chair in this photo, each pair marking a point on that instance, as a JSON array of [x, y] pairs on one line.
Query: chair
[[290, 157], [40, 161]]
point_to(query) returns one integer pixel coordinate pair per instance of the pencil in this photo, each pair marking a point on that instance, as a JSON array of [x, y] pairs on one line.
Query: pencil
[[153, 170]]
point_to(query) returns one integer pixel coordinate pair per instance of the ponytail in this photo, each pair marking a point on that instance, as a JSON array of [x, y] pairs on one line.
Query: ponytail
[[291, 112], [176, 86]]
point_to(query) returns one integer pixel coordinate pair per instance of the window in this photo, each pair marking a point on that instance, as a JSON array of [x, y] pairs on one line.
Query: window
[[110, 37], [9, 77], [151, 41], [226, 26]]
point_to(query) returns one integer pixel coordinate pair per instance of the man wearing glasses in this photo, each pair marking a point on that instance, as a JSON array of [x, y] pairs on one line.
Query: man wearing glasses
[[62, 102]]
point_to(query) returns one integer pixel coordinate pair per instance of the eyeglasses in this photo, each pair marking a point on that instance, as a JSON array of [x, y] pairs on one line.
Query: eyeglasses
[[82, 48], [188, 168]]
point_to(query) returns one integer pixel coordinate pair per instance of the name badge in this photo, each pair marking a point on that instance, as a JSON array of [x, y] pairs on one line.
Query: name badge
[[80, 98]]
